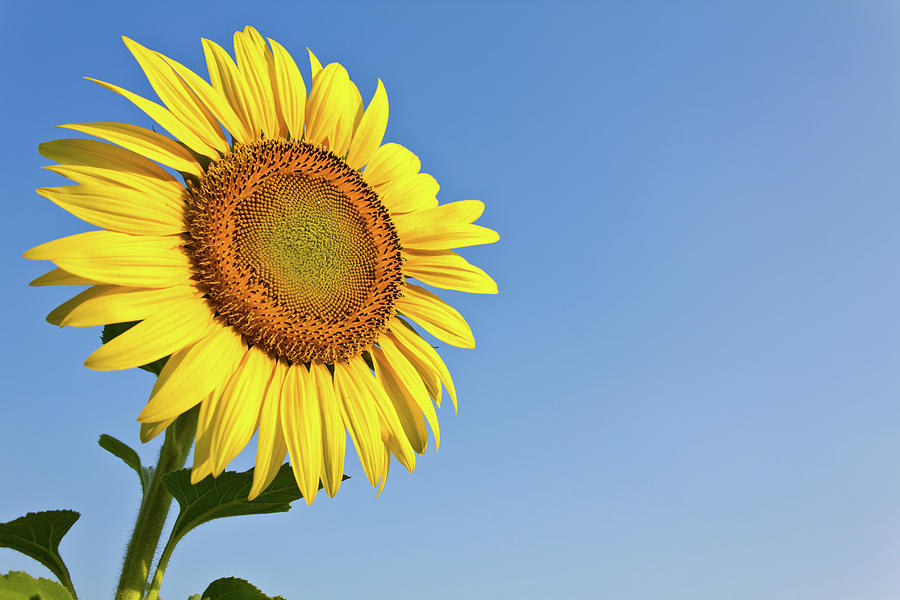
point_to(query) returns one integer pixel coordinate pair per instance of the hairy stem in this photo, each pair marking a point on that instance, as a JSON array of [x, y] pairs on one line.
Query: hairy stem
[[155, 509], [153, 594]]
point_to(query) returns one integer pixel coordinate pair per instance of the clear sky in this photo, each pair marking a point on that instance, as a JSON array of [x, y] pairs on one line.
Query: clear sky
[[688, 386]]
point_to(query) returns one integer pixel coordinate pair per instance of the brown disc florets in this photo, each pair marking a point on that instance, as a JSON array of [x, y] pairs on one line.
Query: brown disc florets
[[294, 250]]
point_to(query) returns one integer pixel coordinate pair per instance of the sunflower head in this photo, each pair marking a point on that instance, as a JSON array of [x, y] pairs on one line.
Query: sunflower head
[[275, 272]]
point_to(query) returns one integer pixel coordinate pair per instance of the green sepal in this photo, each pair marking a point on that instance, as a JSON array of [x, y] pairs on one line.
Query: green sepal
[[37, 535], [226, 496], [112, 330], [18, 585], [129, 457], [232, 588]]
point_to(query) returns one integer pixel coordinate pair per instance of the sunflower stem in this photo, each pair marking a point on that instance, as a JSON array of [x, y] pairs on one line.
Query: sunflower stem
[[161, 565], [154, 509]]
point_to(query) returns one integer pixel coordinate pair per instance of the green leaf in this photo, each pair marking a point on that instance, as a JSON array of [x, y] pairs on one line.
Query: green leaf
[[128, 456], [17, 585], [116, 329], [232, 588], [38, 535], [226, 496]]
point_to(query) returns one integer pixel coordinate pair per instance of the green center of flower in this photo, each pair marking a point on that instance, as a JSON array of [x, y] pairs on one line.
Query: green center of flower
[[294, 251], [306, 240]]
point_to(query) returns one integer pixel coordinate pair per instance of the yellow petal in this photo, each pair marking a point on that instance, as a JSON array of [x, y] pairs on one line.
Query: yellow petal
[[93, 153], [117, 304], [329, 120], [193, 372], [59, 277], [361, 420], [253, 38], [225, 77], [461, 212], [270, 448], [290, 91], [251, 50], [392, 433], [165, 118], [413, 193], [314, 64], [202, 466], [387, 467], [334, 436], [145, 142], [436, 316], [118, 258], [447, 236], [448, 270], [370, 131], [408, 412], [421, 355], [170, 191], [430, 379], [357, 108], [118, 208], [56, 316], [151, 430], [215, 100], [178, 97], [302, 423], [176, 324], [239, 408], [408, 378], [390, 162]]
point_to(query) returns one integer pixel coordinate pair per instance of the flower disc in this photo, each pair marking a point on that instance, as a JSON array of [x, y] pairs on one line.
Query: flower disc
[[295, 251]]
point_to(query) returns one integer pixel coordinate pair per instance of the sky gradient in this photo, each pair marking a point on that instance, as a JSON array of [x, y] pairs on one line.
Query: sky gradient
[[688, 385]]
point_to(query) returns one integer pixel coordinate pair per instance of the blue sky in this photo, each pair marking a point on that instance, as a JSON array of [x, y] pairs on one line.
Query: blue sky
[[688, 385]]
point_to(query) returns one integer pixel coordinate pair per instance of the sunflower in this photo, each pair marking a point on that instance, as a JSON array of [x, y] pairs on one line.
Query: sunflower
[[275, 274]]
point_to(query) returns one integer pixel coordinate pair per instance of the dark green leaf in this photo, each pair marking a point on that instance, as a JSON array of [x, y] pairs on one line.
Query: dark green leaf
[[226, 496], [17, 585], [116, 329], [232, 588], [38, 535], [128, 456]]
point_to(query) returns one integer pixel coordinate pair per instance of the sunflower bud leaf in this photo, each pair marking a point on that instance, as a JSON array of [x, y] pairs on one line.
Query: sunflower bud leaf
[[18, 585], [232, 588], [129, 457], [226, 496], [38, 535]]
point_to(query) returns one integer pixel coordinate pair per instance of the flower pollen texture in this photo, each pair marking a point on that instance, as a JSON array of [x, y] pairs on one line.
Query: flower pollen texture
[[295, 251]]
